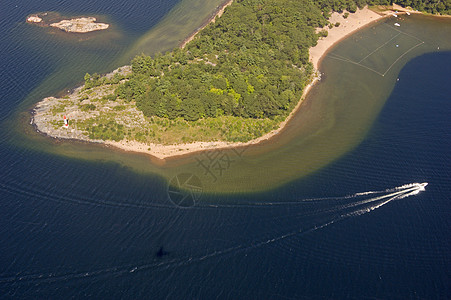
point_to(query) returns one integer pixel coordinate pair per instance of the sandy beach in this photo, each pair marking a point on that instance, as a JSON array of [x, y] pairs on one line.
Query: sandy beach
[[347, 26], [352, 23]]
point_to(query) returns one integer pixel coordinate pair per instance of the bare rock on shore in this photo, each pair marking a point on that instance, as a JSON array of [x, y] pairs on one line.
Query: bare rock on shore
[[80, 25]]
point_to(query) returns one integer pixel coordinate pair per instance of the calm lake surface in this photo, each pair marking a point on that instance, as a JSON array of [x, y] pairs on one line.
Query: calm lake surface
[[86, 222]]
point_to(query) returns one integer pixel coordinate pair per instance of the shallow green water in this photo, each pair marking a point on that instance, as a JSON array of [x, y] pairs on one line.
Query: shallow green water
[[359, 75], [187, 17], [339, 111]]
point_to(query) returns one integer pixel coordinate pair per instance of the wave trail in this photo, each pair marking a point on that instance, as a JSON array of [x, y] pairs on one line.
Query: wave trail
[[406, 188]]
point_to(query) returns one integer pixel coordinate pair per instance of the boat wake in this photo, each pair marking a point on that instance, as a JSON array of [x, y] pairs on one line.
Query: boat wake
[[227, 234]]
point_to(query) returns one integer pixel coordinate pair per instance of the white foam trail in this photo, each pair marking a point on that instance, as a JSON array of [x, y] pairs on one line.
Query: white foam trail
[[400, 189], [396, 193]]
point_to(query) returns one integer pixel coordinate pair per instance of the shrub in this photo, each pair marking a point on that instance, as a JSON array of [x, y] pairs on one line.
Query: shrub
[[323, 33], [110, 97], [88, 107]]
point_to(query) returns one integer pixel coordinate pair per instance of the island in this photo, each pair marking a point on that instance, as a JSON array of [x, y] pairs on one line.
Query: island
[[237, 82], [74, 25], [80, 25]]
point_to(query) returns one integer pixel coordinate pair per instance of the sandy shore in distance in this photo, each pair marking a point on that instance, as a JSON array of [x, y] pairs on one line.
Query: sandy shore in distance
[[347, 26]]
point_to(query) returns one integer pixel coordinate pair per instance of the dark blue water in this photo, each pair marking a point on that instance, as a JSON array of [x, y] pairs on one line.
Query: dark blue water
[[71, 228], [30, 55]]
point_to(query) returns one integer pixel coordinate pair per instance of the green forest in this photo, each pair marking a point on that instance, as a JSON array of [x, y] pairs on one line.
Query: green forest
[[253, 62], [442, 7]]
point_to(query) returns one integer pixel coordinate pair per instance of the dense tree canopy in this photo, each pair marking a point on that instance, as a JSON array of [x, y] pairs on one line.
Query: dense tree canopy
[[251, 63], [431, 6]]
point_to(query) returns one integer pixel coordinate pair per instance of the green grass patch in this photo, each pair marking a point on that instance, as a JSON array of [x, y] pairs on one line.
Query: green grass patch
[[109, 130], [87, 107], [61, 108]]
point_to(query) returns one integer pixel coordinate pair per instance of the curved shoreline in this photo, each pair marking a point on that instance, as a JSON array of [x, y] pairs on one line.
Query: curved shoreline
[[354, 22]]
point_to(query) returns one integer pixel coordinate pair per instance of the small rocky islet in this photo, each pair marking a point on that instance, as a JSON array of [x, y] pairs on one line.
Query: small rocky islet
[[74, 25]]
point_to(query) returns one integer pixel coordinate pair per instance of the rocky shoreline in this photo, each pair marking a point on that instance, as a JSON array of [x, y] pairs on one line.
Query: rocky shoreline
[[80, 25], [74, 25], [48, 114]]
